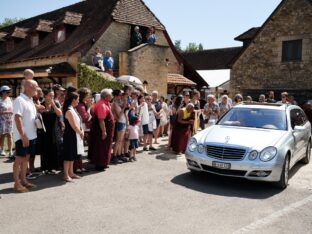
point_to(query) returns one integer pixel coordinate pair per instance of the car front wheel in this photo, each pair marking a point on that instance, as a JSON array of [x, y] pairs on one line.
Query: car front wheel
[[283, 182], [307, 157]]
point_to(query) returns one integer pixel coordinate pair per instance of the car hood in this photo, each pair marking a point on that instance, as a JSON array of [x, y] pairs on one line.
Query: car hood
[[253, 138]]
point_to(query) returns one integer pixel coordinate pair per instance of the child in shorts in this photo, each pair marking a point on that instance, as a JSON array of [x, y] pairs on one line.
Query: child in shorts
[[133, 132]]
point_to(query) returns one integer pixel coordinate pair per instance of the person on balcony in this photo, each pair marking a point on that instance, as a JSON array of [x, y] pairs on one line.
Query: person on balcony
[[108, 62], [98, 59], [151, 36], [136, 38]]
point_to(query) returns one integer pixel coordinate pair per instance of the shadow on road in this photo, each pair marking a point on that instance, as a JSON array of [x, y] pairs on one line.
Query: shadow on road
[[296, 168], [225, 186], [44, 181]]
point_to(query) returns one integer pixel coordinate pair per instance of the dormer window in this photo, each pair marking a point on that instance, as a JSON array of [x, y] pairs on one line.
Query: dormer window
[[60, 35], [9, 45], [34, 40]]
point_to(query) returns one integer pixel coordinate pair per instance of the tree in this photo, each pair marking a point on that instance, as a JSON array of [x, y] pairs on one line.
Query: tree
[[177, 45], [9, 21], [200, 47], [191, 47]]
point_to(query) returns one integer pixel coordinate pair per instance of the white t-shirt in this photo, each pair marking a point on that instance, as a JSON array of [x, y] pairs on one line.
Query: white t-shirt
[[25, 107], [152, 125], [133, 132], [144, 114]]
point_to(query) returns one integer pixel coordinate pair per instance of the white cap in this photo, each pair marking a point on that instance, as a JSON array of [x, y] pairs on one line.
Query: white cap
[[4, 88]]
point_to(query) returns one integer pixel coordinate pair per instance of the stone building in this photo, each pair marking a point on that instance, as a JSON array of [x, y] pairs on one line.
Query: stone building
[[54, 43], [277, 56]]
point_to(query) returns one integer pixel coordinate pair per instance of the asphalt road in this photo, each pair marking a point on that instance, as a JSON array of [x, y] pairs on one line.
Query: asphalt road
[[157, 194]]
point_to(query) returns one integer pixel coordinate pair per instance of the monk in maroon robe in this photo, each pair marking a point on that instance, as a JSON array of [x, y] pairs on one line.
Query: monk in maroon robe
[[102, 132]]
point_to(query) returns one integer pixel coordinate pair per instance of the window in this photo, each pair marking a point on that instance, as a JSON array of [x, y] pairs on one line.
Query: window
[[292, 51], [296, 118], [34, 40], [10, 45], [60, 35]]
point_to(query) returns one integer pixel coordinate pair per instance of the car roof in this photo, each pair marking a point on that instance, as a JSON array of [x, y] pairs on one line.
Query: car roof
[[272, 106]]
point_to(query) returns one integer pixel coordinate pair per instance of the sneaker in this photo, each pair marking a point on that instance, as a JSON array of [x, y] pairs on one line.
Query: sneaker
[[134, 159], [114, 160], [2, 153], [152, 148], [122, 159], [31, 176], [11, 158], [145, 149]]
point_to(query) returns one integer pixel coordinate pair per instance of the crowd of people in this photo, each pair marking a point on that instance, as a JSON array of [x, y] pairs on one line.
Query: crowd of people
[[58, 123]]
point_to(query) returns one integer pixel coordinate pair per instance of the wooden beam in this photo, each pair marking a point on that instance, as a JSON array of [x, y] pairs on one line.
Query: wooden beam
[[37, 75]]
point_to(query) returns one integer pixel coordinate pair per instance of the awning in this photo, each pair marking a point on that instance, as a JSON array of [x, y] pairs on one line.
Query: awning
[[55, 70], [215, 78], [179, 80]]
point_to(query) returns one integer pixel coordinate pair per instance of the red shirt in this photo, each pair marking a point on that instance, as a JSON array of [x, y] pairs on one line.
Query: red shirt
[[102, 109]]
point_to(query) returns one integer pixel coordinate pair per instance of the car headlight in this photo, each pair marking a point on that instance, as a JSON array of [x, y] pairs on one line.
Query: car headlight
[[253, 155], [200, 148], [268, 154], [192, 145]]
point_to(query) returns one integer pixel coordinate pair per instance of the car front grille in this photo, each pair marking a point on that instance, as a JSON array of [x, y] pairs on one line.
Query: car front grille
[[225, 153]]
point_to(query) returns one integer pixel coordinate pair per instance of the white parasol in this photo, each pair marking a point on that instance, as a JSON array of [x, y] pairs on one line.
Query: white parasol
[[127, 79]]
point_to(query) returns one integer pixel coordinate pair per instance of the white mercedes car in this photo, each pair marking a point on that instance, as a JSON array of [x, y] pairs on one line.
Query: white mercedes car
[[253, 141]]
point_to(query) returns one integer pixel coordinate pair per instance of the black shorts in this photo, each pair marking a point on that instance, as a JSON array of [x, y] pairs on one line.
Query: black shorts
[[145, 129], [158, 122], [23, 152], [134, 144]]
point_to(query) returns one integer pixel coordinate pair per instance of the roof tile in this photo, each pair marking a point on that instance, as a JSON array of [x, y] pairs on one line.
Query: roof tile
[[178, 79]]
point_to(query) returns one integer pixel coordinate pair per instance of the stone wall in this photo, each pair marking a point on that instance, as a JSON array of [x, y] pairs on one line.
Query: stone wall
[[260, 67], [148, 63], [117, 39]]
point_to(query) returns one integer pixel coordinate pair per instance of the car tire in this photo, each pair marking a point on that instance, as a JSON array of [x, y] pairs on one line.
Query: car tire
[[307, 157], [283, 182]]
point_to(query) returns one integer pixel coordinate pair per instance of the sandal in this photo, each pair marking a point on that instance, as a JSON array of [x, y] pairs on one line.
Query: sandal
[[21, 190], [69, 180], [30, 185], [75, 176]]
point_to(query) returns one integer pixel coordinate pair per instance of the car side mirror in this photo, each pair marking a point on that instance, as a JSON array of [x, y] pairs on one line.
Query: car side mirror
[[299, 128]]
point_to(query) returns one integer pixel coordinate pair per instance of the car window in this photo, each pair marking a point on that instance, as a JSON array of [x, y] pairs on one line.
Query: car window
[[303, 116], [255, 118], [296, 118]]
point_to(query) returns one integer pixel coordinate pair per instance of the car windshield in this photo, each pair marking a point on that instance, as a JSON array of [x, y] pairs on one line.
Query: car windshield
[[255, 118]]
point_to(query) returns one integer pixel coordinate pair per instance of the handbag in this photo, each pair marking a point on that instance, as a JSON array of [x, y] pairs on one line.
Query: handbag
[[39, 122]]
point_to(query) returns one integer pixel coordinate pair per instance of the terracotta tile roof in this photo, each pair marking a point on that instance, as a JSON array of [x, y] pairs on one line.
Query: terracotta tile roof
[[136, 13], [90, 19], [248, 35], [79, 40], [212, 59], [177, 79]]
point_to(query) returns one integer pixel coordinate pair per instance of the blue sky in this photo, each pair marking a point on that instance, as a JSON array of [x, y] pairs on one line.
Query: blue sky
[[214, 23]]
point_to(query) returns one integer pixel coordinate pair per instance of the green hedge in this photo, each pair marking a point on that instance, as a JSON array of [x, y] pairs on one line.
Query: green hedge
[[94, 80]]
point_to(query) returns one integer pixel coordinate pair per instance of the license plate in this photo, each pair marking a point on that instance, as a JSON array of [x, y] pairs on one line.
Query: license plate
[[221, 165]]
